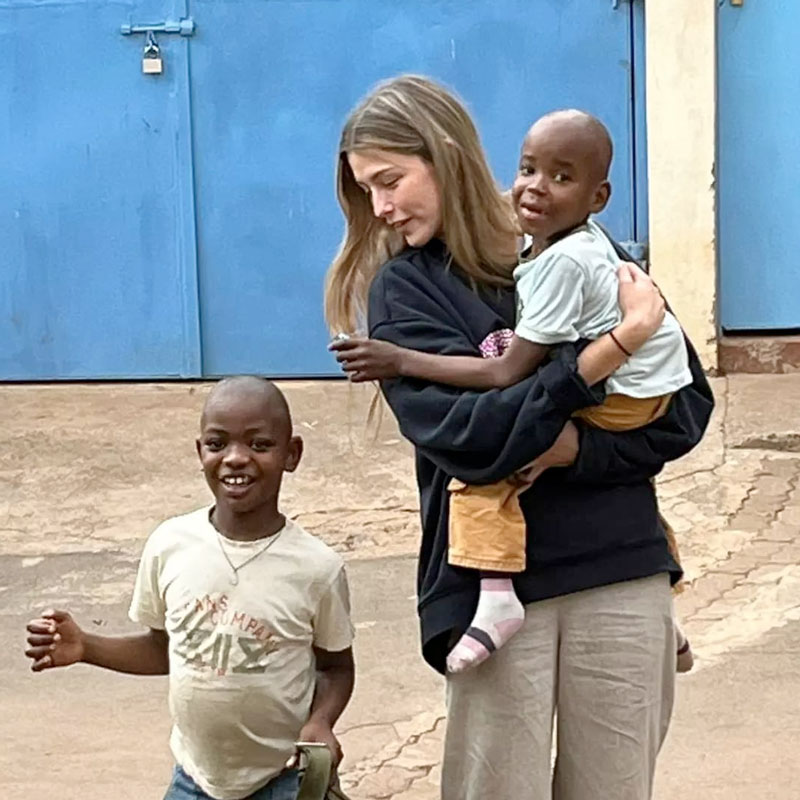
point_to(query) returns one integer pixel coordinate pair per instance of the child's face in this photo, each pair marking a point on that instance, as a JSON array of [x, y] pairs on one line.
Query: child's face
[[559, 182], [245, 446]]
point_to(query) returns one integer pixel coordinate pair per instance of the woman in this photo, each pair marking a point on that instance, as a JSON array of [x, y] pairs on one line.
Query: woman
[[428, 253]]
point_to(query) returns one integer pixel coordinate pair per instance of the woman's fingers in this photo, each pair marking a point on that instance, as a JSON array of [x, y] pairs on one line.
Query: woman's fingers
[[628, 272], [624, 272]]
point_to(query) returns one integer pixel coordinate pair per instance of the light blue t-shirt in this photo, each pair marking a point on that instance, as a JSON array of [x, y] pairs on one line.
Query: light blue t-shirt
[[570, 292]]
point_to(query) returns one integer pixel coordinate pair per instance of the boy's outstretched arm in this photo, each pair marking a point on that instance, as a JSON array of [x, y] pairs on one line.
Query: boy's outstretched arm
[[56, 640], [335, 679]]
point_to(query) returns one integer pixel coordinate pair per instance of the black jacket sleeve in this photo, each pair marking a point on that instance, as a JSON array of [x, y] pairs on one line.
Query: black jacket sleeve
[[627, 457], [478, 437]]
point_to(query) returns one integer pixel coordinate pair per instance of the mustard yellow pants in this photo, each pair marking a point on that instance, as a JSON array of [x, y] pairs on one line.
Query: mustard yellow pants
[[487, 528]]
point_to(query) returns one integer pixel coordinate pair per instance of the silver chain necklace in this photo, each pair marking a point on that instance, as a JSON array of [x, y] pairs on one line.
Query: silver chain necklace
[[235, 577]]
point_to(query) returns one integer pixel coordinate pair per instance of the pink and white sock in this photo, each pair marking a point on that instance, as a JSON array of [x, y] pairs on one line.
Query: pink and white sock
[[498, 617]]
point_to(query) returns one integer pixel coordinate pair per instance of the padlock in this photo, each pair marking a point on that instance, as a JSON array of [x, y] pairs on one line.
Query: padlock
[[152, 63]]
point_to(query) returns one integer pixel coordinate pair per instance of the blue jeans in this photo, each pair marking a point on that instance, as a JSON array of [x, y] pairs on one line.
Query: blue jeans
[[284, 787]]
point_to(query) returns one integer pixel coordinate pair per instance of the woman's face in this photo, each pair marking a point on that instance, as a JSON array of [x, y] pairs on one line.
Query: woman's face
[[403, 192]]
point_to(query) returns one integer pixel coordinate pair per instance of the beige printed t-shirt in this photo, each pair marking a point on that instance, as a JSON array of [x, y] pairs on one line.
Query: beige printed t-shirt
[[242, 671]]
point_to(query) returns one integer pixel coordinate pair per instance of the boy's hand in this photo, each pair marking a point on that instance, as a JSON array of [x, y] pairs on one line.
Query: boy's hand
[[320, 731], [54, 640], [367, 359]]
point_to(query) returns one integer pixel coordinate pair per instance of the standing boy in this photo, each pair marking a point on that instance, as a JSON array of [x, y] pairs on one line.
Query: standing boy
[[246, 612]]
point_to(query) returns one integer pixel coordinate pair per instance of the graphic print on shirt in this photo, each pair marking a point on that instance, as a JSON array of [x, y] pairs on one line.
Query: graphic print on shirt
[[213, 636]]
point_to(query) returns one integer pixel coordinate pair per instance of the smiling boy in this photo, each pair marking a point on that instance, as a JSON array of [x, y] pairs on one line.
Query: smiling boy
[[246, 612]]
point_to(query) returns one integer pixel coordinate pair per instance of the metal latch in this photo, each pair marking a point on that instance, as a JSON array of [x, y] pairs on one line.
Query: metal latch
[[152, 60], [184, 27]]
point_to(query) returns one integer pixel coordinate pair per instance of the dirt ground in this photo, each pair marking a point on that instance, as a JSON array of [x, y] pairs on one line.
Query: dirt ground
[[87, 471]]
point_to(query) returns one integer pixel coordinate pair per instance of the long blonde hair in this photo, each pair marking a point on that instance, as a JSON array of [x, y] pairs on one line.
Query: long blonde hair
[[413, 115]]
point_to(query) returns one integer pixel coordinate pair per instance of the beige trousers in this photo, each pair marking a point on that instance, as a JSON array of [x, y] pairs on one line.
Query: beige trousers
[[603, 660]]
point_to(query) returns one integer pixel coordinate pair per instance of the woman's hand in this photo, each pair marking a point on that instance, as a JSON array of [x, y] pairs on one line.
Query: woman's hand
[[367, 359], [642, 306], [563, 453]]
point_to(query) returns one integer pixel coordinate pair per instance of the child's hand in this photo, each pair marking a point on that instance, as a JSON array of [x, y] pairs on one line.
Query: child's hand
[[367, 359], [319, 731], [54, 640]]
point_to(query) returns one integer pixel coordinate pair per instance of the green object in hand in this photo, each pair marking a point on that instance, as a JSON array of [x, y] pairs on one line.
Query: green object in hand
[[318, 779]]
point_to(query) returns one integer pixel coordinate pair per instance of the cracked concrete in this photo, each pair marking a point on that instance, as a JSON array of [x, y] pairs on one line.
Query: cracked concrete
[[87, 471]]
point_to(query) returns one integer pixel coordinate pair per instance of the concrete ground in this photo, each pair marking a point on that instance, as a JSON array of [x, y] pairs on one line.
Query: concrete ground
[[86, 471]]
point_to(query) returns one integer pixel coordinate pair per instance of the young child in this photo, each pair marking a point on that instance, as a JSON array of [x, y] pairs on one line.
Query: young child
[[567, 288], [246, 612]]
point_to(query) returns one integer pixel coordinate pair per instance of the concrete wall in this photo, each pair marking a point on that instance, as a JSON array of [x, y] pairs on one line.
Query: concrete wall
[[681, 123]]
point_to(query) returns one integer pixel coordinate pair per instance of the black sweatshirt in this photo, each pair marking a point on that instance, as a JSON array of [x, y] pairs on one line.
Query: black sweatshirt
[[590, 524]]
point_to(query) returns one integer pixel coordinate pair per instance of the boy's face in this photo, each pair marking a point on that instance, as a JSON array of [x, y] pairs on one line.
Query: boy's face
[[559, 182], [245, 446]]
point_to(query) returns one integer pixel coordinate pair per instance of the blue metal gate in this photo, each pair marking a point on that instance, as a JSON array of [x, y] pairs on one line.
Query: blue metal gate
[[97, 262], [181, 224], [759, 170]]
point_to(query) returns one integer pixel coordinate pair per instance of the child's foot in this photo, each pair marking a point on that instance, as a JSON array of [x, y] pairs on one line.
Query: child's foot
[[498, 617], [685, 656]]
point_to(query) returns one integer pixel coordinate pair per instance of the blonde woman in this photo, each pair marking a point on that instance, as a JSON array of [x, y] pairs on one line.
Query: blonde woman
[[427, 260]]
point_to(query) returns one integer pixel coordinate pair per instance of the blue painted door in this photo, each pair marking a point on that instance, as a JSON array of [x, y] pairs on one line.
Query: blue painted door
[[272, 83], [181, 225], [759, 170], [97, 263]]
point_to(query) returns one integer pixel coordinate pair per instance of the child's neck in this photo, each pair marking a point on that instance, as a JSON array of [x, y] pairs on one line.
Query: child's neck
[[249, 526], [544, 242]]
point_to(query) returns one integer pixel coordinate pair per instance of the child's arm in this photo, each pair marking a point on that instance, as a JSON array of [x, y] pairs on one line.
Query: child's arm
[[335, 678], [372, 359], [56, 640]]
